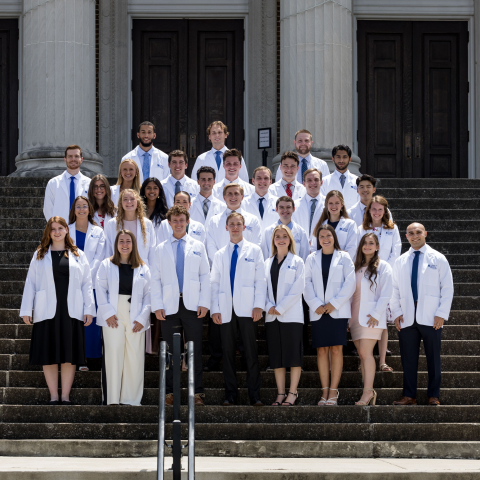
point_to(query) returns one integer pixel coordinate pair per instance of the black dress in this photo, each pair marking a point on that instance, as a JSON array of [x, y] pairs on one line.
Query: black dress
[[284, 339], [328, 331], [60, 339]]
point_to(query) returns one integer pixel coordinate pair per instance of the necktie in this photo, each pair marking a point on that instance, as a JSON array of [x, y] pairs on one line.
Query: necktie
[[415, 275], [260, 207], [312, 211], [233, 266], [205, 207], [288, 190], [146, 165], [72, 190], [304, 169], [177, 186], [342, 179], [218, 158], [180, 264]]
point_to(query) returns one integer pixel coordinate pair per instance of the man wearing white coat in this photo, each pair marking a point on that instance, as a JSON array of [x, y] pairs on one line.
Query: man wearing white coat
[[288, 185], [181, 292], [239, 291], [63, 189], [341, 179], [421, 303], [151, 161], [205, 205]]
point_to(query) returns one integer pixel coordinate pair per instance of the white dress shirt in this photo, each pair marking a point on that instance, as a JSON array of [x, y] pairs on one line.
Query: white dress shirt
[[349, 189]]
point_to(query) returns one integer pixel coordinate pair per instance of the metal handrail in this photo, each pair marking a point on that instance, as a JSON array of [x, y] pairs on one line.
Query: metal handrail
[[191, 412], [161, 412]]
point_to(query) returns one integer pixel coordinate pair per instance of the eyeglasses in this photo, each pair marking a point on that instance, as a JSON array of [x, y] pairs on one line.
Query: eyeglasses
[[99, 187], [81, 207]]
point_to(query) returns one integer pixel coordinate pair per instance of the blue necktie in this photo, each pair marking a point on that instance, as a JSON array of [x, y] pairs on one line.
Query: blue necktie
[[180, 264], [218, 158], [233, 266], [312, 213], [177, 186], [415, 275], [304, 169], [342, 179], [260, 207], [146, 165], [72, 190]]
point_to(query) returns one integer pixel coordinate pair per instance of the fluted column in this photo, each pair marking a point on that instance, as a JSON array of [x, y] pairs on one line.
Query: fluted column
[[58, 78], [316, 65]]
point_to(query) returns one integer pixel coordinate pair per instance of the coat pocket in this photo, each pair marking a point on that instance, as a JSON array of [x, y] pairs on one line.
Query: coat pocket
[[248, 297], [289, 276], [40, 304], [194, 293]]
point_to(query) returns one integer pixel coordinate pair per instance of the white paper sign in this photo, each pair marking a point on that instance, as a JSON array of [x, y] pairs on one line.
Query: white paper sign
[[264, 138]]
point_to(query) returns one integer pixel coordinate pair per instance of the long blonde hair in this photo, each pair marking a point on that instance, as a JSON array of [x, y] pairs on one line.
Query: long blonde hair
[[292, 248], [140, 212], [136, 180], [42, 249], [134, 258], [387, 222]]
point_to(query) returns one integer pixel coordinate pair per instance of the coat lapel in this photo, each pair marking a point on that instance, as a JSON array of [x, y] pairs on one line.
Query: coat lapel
[[63, 182], [318, 259]]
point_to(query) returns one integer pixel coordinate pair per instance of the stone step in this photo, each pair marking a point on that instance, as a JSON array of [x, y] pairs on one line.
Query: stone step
[[417, 193], [436, 225], [439, 236], [14, 273], [425, 203], [437, 214], [454, 183], [25, 192], [21, 212], [447, 248], [21, 223], [25, 202], [21, 235]]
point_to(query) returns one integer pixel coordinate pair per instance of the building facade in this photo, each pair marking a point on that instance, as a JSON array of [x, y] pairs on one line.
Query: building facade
[[397, 80]]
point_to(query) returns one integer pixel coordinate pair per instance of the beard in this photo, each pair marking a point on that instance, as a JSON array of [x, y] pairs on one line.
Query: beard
[[146, 144], [304, 150]]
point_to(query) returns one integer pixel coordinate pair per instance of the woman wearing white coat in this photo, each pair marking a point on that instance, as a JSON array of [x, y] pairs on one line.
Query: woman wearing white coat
[[123, 296], [369, 305], [59, 291], [335, 214], [285, 273], [329, 284], [128, 177], [89, 238], [100, 196], [377, 219]]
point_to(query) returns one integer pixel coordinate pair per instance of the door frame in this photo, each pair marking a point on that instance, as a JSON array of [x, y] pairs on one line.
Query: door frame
[[226, 11], [382, 13]]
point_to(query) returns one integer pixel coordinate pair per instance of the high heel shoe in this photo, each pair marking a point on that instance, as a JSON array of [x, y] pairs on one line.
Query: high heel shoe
[[278, 404], [288, 404], [372, 400], [334, 400], [323, 400]]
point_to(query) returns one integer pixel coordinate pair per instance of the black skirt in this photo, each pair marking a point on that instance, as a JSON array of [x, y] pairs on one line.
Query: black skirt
[[285, 344], [328, 331], [60, 339]]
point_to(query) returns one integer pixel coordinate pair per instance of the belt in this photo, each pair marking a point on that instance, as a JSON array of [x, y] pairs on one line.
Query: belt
[[181, 295]]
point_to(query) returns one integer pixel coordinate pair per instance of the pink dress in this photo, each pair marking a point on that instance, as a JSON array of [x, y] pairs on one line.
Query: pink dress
[[356, 330]]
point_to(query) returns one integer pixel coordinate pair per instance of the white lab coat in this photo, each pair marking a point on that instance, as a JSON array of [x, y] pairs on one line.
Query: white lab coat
[[250, 288], [195, 229], [390, 243], [301, 215], [340, 286], [435, 288], [218, 188], [357, 212], [347, 235], [145, 251], [374, 298], [97, 220], [158, 163], [39, 292], [277, 190], [218, 236], [349, 190], [196, 278], [315, 162], [57, 195], [207, 159], [290, 287], [94, 247], [115, 191], [107, 287], [188, 186], [299, 235], [196, 209], [270, 215]]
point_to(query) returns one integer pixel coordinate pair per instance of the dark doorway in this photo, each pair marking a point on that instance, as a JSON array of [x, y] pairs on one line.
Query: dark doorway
[[413, 99], [187, 73], [8, 95]]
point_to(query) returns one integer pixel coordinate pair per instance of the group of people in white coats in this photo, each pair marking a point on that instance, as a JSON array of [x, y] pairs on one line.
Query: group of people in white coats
[[161, 253]]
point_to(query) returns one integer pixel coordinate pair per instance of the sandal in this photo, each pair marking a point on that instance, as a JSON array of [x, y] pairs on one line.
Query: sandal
[[385, 368], [288, 404], [278, 404], [323, 400], [372, 399], [334, 400]]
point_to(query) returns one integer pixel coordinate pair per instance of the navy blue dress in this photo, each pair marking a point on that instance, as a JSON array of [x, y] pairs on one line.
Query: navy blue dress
[[328, 331]]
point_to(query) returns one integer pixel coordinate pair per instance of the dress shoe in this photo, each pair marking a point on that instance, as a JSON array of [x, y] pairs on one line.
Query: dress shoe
[[406, 401], [53, 402], [66, 402], [213, 367], [169, 399], [257, 403], [388, 353], [199, 400], [433, 401], [228, 402]]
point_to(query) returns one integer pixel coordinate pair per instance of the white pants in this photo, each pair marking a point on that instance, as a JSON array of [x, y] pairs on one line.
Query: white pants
[[124, 357]]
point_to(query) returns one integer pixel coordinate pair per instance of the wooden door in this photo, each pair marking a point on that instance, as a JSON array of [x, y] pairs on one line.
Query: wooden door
[[412, 97], [187, 73], [8, 95]]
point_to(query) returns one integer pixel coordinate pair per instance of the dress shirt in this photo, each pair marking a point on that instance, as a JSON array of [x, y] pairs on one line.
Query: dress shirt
[[411, 255], [77, 177], [292, 186], [175, 244], [182, 181], [231, 246]]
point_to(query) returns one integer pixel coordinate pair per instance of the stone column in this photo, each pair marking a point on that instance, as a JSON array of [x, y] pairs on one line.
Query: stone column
[[316, 65], [58, 93]]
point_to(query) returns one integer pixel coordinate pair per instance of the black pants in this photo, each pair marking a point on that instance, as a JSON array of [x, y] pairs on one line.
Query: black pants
[[307, 346], [214, 342], [248, 333], [192, 327], [409, 341]]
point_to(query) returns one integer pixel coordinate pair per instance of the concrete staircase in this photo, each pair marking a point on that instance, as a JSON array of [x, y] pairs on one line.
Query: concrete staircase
[[450, 211]]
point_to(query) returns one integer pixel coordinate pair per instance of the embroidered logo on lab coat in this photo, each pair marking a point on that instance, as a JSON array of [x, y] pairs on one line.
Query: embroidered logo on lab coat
[[389, 233], [197, 253], [291, 267], [250, 229], [251, 260], [344, 229], [434, 267], [196, 232], [141, 274], [353, 186], [160, 166]]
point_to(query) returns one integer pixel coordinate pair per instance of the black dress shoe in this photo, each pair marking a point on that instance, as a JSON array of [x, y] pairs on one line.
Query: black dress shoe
[[53, 402], [66, 402], [228, 402], [257, 403]]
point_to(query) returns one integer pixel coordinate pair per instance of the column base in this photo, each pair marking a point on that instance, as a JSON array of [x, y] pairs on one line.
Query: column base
[[49, 162]]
